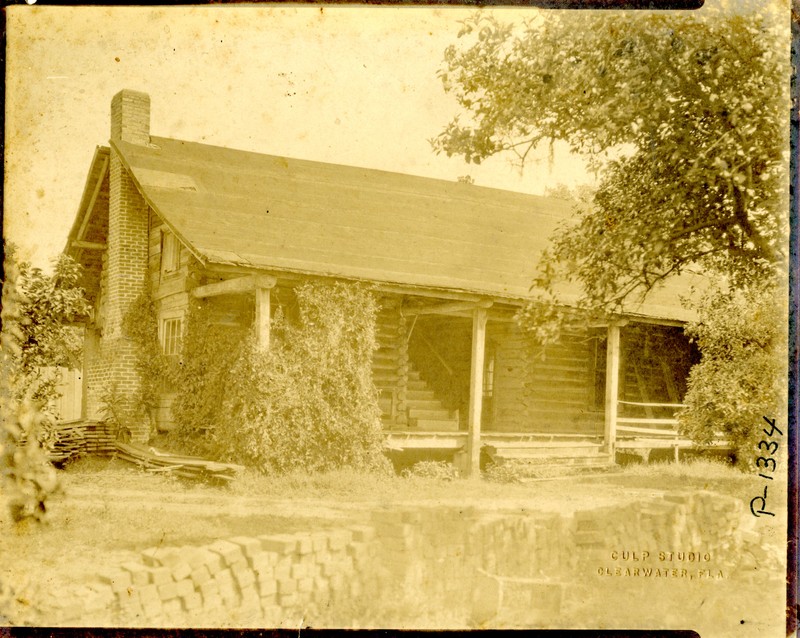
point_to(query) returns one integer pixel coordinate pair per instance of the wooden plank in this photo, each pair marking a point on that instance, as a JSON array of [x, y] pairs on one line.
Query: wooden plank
[[95, 193], [262, 318], [490, 436], [476, 391], [432, 443], [447, 308], [644, 421], [650, 431], [642, 385], [668, 380], [612, 387], [238, 285], [171, 285], [677, 406], [645, 443]]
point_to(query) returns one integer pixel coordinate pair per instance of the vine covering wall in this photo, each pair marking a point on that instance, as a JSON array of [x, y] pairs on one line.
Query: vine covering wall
[[309, 402]]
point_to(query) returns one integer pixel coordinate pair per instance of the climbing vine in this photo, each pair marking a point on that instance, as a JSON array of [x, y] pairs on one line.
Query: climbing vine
[[156, 371], [308, 402], [209, 353]]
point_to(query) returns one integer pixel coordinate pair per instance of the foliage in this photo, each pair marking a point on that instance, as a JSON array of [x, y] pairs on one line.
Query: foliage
[[503, 473], [209, 354], [307, 403], [741, 376], [155, 370], [437, 470], [28, 477], [47, 305], [523, 471], [682, 116]]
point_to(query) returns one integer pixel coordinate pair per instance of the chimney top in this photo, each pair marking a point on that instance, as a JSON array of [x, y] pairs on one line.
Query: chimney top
[[130, 117]]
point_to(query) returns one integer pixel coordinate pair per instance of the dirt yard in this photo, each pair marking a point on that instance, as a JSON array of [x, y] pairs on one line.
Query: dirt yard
[[109, 511]]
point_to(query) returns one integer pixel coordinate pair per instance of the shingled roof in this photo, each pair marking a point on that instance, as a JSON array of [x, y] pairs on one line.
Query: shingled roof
[[280, 214]]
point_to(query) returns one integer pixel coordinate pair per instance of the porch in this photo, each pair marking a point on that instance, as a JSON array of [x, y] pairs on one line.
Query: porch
[[456, 376], [458, 379]]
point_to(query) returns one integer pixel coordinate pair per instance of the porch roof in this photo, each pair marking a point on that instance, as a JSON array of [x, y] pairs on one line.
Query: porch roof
[[275, 213]]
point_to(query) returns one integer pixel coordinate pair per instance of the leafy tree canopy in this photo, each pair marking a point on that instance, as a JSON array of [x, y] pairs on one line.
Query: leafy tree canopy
[[684, 119], [46, 306], [50, 304]]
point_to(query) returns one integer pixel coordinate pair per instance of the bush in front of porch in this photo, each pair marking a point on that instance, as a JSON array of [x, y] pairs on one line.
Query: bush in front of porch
[[307, 403]]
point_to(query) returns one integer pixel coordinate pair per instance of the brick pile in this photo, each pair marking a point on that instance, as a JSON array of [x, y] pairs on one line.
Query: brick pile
[[420, 561], [438, 558], [690, 522], [242, 581]]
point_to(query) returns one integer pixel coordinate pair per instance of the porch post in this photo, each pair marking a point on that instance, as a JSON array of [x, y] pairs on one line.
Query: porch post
[[479, 316], [612, 388], [262, 317]]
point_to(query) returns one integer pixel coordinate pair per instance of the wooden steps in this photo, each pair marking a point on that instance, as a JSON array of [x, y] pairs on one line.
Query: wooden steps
[[416, 408]]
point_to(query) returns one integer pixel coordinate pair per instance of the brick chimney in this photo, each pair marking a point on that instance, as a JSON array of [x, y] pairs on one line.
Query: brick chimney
[[127, 258], [130, 117]]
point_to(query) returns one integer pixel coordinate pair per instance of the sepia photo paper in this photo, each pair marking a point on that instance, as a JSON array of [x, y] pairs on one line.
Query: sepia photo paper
[[394, 317]]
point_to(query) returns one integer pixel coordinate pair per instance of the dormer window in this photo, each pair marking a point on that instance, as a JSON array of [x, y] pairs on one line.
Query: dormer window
[[170, 253]]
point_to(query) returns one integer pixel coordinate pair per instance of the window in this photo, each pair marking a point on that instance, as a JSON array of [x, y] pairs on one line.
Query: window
[[597, 371], [171, 335], [488, 377], [170, 253]]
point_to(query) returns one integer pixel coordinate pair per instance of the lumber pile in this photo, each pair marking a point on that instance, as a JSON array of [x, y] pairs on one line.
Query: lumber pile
[[67, 439], [157, 461]]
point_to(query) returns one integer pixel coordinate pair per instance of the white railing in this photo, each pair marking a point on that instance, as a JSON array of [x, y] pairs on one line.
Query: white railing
[[653, 427]]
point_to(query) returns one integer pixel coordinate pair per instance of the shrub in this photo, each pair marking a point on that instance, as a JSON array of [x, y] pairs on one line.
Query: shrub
[[503, 473], [438, 470], [307, 403], [28, 477], [742, 374], [140, 325], [209, 355]]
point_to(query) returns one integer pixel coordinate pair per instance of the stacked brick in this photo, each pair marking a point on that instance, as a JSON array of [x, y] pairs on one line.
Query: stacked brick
[[438, 558], [244, 581], [473, 566], [686, 522], [537, 537]]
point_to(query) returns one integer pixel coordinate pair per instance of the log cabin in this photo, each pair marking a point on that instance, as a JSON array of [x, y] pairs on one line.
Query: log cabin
[[450, 262]]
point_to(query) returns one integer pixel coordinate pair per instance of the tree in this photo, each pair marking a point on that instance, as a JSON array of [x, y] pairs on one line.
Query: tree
[[49, 304], [684, 118], [685, 121], [34, 335]]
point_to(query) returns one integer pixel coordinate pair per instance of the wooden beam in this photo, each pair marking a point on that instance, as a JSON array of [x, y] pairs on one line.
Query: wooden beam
[[379, 287], [434, 293], [88, 245], [262, 318], [612, 388], [239, 285], [445, 308], [476, 391], [92, 201]]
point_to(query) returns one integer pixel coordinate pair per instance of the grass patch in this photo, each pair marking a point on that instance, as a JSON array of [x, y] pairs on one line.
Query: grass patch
[[690, 474]]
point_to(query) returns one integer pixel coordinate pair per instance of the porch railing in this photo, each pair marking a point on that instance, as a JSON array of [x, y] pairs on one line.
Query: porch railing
[[655, 427]]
